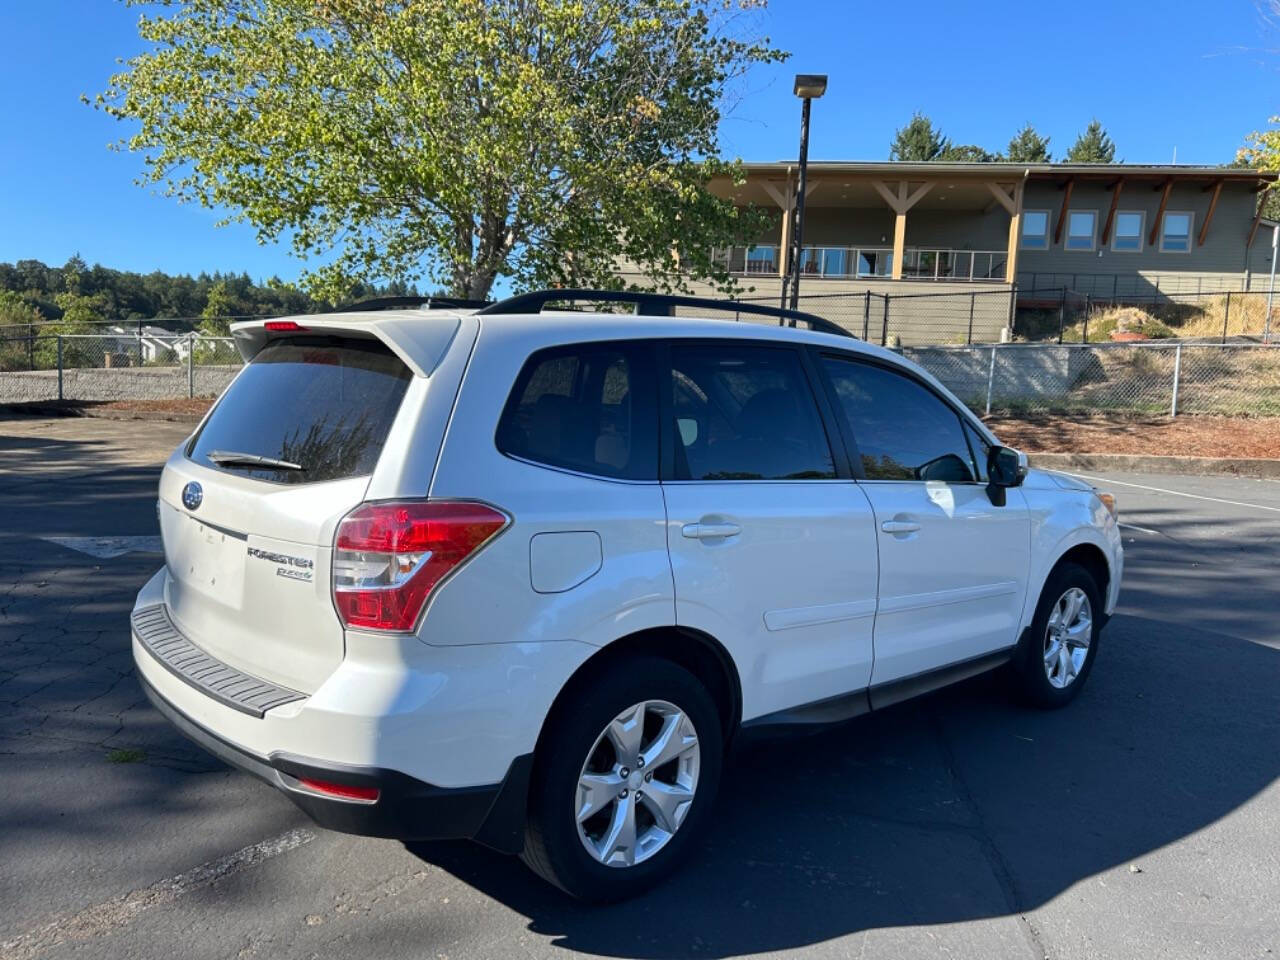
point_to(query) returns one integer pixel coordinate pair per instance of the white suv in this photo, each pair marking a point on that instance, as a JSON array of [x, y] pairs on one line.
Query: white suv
[[522, 576]]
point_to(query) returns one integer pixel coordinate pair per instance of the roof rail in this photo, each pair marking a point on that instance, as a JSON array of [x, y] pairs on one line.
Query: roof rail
[[660, 305], [401, 303]]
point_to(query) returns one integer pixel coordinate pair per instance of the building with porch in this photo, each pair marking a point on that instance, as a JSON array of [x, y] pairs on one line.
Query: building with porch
[[1014, 232]]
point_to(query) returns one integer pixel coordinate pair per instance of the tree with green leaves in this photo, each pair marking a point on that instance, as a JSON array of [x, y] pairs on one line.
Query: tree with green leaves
[[1027, 146], [918, 140], [1262, 152], [1092, 146], [463, 140]]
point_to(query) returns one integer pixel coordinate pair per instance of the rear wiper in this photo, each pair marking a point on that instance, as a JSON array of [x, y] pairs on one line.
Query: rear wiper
[[229, 458]]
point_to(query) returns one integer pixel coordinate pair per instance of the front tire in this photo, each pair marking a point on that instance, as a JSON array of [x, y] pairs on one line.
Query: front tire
[[626, 775], [1056, 656]]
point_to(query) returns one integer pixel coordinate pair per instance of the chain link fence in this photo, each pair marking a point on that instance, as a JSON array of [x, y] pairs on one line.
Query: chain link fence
[[1150, 378], [43, 366], [1130, 379], [912, 319]]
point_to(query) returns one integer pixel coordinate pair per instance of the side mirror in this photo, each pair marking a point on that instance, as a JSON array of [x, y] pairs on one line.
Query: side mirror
[[1006, 468]]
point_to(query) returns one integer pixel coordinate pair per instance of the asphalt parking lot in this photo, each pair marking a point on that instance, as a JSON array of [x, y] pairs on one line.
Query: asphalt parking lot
[[1141, 821]]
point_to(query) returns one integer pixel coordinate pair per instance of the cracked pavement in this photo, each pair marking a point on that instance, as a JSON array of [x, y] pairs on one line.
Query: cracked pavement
[[1140, 821]]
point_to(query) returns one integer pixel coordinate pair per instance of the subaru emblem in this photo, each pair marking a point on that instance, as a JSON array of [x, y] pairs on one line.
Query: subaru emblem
[[192, 495]]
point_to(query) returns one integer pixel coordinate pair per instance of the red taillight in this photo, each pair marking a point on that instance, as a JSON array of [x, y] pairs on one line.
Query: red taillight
[[389, 556], [343, 791], [287, 326]]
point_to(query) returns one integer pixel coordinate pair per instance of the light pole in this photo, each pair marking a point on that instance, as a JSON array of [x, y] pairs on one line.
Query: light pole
[[809, 86]]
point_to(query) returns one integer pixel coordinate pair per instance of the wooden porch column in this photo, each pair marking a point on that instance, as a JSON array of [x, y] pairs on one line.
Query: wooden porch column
[[900, 204], [1015, 234], [1012, 202], [786, 200], [899, 243]]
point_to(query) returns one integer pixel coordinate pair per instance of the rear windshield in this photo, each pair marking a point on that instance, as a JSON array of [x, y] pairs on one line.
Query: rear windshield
[[321, 406]]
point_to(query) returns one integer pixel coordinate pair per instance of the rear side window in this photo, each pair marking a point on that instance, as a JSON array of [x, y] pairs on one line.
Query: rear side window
[[903, 430], [589, 407], [745, 413], [321, 406]]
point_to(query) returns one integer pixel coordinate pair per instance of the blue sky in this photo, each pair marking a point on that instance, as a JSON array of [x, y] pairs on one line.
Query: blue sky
[[1192, 75]]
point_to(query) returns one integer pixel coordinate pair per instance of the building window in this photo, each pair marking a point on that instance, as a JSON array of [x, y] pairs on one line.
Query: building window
[[1035, 230], [1128, 231], [1082, 229], [1175, 233]]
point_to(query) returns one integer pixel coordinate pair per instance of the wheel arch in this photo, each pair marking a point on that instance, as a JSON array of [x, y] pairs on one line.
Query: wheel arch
[[1092, 558], [698, 652]]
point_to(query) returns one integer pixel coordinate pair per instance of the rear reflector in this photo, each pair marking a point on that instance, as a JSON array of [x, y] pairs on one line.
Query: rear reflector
[[283, 326], [389, 557], [343, 791]]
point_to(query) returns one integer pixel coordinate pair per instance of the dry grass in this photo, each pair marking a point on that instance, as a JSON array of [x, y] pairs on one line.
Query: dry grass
[[1203, 319]]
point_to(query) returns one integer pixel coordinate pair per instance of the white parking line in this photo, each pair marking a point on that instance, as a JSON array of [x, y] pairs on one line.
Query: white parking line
[[1178, 493], [1134, 526], [105, 918]]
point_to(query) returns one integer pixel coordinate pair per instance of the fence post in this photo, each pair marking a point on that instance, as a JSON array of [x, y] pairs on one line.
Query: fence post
[[1177, 375], [1226, 315], [1087, 307], [1062, 312], [31, 346], [991, 378], [191, 375], [973, 298], [866, 313], [59, 366], [1013, 305], [884, 326]]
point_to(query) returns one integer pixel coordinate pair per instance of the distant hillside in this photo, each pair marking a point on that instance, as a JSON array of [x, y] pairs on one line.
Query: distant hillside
[[75, 293]]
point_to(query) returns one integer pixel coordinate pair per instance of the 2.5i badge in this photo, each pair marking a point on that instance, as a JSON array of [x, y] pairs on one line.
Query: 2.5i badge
[[289, 567]]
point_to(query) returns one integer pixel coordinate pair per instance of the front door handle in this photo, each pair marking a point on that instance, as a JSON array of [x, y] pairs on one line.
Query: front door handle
[[899, 526], [709, 531]]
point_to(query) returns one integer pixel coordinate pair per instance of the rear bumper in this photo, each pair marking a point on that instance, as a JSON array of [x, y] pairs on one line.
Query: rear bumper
[[406, 808]]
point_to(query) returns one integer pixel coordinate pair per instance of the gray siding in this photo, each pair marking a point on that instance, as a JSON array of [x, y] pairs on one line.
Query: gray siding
[[1220, 264]]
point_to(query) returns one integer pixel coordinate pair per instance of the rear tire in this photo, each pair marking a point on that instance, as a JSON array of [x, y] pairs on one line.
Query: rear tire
[[641, 724], [1055, 657]]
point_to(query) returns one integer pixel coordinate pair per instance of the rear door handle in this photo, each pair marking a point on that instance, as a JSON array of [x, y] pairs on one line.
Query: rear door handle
[[899, 526], [709, 531]]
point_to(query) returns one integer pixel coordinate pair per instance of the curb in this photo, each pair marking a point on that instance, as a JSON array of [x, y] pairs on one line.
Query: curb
[[1142, 463], [53, 409]]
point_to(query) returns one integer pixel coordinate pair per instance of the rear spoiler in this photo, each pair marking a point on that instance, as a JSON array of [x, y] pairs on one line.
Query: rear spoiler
[[421, 341]]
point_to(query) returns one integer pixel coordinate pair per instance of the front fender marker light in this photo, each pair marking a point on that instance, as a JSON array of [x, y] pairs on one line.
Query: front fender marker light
[[389, 556]]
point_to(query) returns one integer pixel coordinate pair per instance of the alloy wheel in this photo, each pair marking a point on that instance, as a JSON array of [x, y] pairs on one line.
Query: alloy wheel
[[1067, 637], [638, 783]]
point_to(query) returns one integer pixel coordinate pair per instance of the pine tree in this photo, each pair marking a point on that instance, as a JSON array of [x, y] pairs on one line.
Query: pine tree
[[918, 140], [1092, 146], [1027, 146]]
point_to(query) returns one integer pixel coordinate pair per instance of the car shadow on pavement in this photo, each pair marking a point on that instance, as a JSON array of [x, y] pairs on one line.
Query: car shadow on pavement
[[956, 807]]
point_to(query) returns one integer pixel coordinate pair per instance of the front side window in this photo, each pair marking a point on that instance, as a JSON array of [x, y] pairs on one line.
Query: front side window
[[744, 412], [903, 430], [588, 408], [1082, 227], [1035, 230], [1127, 237], [1175, 233]]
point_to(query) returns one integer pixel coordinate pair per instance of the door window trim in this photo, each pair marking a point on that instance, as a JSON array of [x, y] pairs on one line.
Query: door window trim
[[849, 435], [666, 409]]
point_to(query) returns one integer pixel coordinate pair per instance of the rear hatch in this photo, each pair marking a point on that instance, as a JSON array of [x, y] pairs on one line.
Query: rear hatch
[[285, 453]]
